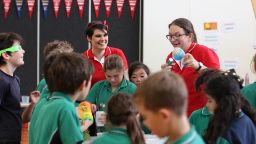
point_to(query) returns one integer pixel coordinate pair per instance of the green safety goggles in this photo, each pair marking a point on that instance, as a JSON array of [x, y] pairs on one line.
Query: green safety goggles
[[14, 48]]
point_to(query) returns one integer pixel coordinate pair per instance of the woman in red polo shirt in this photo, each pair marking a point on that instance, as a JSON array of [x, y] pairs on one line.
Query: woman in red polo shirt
[[197, 57], [97, 35]]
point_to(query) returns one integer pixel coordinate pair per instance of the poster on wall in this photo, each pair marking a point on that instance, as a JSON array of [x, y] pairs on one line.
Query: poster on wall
[[132, 4], [211, 35], [96, 4], [56, 7], [254, 7]]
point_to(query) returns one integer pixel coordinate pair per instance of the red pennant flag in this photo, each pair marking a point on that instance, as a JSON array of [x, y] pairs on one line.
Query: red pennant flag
[[68, 4], [80, 4], [108, 4], [31, 4], [120, 4], [19, 4], [56, 6], [45, 6], [7, 5], [96, 4], [132, 4]]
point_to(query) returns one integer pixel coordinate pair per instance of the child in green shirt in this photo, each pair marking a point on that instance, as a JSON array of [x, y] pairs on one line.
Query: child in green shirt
[[162, 101], [122, 118]]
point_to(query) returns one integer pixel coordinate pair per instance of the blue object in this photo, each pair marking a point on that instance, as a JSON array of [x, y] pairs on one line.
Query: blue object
[[178, 53]]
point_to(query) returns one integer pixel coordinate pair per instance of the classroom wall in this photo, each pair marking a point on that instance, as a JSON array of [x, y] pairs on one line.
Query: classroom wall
[[234, 40]]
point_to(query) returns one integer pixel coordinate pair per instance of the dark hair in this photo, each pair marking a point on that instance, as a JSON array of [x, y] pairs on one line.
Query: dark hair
[[57, 46], [253, 63], [186, 25], [163, 89], [113, 62], [121, 111], [137, 65], [224, 88], [7, 40], [93, 26], [67, 72]]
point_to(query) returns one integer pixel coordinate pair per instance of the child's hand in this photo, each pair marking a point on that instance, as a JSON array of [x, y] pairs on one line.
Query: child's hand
[[34, 95], [85, 125]]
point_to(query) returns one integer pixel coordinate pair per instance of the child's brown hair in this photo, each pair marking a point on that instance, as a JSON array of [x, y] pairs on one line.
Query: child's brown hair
[[122, 111], [163, 89], [113, 62]]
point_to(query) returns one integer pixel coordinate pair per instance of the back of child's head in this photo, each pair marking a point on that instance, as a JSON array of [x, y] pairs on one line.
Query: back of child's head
[[163, 89], [113, 62], [57, 47], [224, 87], [122, 111], [67, 72], [137, 65], [7, 40]]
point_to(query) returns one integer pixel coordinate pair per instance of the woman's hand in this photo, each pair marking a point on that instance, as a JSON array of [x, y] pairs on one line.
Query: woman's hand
[[189, 60]]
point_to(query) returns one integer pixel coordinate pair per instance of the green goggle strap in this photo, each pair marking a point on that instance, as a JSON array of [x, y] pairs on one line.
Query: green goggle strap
[[14, 48]]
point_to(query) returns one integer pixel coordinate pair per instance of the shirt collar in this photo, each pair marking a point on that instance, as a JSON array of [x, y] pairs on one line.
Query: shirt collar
[[90, 55], [206, 112], [59, 95]]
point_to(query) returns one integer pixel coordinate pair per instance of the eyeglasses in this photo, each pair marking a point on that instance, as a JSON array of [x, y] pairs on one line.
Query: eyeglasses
[[176, 36]]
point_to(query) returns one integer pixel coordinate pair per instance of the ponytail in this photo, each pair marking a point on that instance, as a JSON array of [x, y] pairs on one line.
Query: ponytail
[[134, 131]]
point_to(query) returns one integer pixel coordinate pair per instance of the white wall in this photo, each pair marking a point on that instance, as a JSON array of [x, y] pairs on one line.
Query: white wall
[[235, 45]]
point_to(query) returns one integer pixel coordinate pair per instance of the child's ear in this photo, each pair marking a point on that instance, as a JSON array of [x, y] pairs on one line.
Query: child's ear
[[164, 113], [5, 56], [83, 85]]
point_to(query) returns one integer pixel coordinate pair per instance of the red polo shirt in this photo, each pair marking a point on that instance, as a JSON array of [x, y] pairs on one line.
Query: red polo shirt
[[98, 67], [209, 58]]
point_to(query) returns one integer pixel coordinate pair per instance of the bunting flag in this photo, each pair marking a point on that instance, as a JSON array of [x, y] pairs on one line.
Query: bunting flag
[[108, 4], [96, 4], [19, 4], [132, 4], [120, 4], [7, 5], [31, 4], [45, 4], [80, 4], [56, 6], [68, 4]]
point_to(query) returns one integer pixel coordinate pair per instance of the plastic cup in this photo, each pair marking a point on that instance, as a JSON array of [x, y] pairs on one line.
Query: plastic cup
[[25, 99]]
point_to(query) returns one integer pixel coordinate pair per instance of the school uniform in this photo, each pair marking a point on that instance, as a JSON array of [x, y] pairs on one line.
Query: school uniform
[[114, 136], [101, 92], [191, 137], [200, 120], [56, 121], [249, 93], [10, 110], [99, 74], [41, 85], [240, 131]]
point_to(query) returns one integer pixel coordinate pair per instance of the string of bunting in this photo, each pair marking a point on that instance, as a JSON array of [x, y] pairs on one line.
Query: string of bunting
[[68, 6]]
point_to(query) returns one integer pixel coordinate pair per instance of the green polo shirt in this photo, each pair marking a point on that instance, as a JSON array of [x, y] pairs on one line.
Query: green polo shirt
[[200, 119], [41, 85], [191, 137], [55, 118], [101, 92], [249, 93], [114, 136]]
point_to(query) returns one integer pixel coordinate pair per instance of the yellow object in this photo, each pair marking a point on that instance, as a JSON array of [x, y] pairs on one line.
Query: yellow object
[[85, 111]]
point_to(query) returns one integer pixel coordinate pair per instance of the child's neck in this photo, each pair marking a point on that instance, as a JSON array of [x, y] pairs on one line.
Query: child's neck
[[8, 69], [181, 127]]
